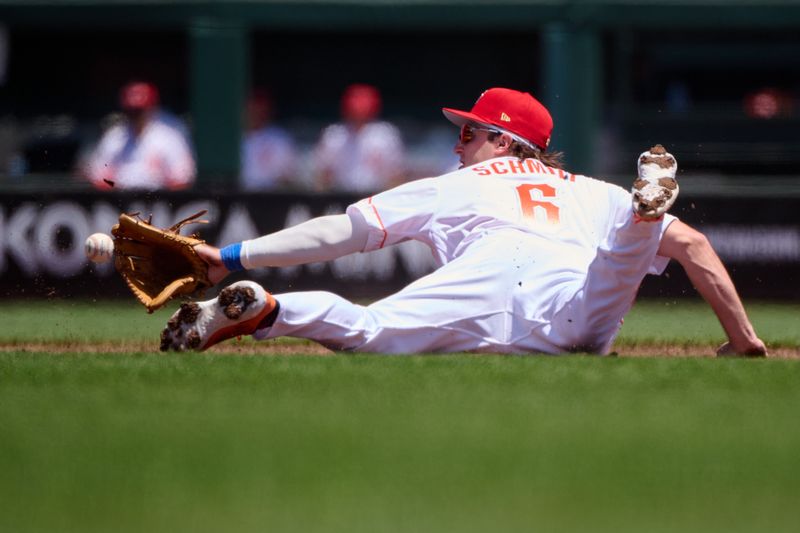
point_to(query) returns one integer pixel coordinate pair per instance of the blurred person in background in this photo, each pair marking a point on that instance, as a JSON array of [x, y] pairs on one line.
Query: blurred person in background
[[361, 154], [148, 149], [768, 103], [268, 151]]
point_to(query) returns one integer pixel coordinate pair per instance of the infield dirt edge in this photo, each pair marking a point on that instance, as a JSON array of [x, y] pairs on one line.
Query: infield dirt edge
[[251, 348]]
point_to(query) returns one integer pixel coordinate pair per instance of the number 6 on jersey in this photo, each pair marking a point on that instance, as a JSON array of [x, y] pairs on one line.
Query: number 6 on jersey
[[547, 211]]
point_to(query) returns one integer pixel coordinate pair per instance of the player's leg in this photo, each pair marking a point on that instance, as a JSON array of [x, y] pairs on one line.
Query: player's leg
[[402, 323], [421, 318], [591, 319], [595, 314], [456, 308]]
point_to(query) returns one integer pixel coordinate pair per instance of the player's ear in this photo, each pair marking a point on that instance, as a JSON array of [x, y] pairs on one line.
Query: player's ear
[[504, 143]]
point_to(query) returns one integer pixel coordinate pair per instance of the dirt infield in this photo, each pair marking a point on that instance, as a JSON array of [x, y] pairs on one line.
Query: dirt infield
[[248, 347], [234, 347]]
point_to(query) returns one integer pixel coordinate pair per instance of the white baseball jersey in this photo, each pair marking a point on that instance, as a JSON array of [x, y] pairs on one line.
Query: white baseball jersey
[[268, 156], [362, 161], [159, 158], [533, 259]]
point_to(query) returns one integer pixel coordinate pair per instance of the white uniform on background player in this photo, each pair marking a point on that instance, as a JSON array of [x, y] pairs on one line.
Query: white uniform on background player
[[533, 258], [268, 151], [361, 154], [148, 151]]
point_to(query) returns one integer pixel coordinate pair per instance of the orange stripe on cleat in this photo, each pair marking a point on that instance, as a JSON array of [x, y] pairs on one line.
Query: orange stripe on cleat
[[248, 327]]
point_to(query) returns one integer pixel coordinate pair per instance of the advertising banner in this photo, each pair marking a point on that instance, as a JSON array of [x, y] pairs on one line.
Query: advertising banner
[[42, 243]]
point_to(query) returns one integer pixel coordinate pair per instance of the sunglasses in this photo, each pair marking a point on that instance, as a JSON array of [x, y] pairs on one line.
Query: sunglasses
[[468, 132]]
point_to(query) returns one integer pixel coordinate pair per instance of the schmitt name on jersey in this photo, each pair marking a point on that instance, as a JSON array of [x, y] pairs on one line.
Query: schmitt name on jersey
[[521, 166]]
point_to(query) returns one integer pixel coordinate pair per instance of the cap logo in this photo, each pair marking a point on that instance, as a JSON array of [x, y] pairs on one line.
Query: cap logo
[[505, 118]]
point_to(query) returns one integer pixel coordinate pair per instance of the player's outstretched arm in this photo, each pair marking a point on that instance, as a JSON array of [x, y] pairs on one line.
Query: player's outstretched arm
[[319, 239], [707, 273]]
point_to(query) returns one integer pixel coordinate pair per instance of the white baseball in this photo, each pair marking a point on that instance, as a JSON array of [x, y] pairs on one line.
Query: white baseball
[[99, 247]]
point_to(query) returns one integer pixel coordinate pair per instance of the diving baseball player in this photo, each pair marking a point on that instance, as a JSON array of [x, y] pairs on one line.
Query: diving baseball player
[[532, 258]]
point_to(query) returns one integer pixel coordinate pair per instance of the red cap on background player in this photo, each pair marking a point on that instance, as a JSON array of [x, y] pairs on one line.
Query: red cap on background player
[[361, 102], [138, 95], [513, 111]]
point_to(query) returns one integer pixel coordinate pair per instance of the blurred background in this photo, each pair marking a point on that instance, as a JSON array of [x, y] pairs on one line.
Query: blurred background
[[267, 113]]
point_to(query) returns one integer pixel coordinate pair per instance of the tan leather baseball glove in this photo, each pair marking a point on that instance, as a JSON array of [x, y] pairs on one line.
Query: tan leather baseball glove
[[158, 264]]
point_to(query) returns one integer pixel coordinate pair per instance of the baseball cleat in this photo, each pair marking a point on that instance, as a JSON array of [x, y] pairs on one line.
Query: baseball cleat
[[656, 188], [237, 310]]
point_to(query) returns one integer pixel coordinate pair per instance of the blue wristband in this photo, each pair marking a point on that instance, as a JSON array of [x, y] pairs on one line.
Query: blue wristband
[[231, 257]]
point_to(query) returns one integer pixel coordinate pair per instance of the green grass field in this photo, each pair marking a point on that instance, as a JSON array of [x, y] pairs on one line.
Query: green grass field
[[655, 321], [226, 442]]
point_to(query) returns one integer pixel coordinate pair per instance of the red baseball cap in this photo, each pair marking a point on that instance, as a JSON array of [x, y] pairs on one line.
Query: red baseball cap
[[138, 95], [361, 102], [512, 111]]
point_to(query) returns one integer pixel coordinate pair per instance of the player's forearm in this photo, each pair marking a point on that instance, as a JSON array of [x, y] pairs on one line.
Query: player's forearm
[[319, 239], [711, 279]]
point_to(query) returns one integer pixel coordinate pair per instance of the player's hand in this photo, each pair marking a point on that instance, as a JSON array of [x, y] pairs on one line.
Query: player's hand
[[756, 348], [216, 268]]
